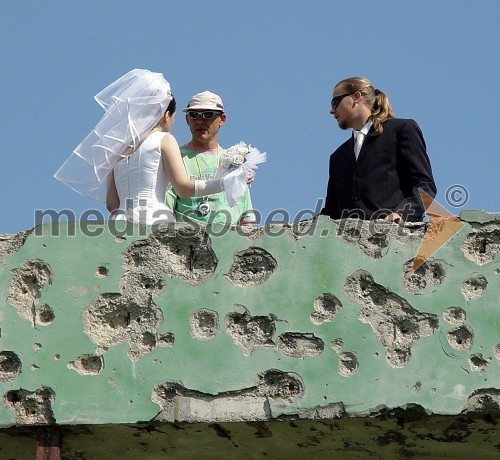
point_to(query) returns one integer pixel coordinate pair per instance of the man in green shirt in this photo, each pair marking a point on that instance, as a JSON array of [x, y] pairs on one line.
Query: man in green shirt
[[204, 116]]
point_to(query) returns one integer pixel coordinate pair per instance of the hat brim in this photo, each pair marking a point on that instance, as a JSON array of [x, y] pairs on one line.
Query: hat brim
[[204, 107]]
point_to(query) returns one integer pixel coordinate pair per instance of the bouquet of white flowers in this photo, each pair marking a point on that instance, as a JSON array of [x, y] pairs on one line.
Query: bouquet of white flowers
[[235, 156], [242, 156]]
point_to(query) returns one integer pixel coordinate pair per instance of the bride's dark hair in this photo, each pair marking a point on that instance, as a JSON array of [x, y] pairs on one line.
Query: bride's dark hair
[[172, 106]]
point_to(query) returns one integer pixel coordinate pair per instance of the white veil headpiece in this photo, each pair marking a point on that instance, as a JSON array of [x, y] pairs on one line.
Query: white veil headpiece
[[133, 106]]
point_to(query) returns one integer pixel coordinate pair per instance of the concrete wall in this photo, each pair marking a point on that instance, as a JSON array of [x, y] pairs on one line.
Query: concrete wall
[[102, 325]]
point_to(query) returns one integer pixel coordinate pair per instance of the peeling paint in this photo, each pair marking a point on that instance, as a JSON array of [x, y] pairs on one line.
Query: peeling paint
[[326, 306], [31, 407], [26, 286], [101, 272], [393, 320], [113, 300], [204, 324], [180, 403], [482, 245], [10, 366], [181, 252], [474, 287], [484, 401], [348, 364], [455, 315], [299, 345], [45, 315], [373, 237], [250, 332], [337, 345], [112, 319], [461, 338], [251, 267], [87, 364], [430, 272], [12, 242], [478, 363]]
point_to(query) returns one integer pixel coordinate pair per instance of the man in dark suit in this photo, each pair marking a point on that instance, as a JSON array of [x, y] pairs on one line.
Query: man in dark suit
[[377, 173]]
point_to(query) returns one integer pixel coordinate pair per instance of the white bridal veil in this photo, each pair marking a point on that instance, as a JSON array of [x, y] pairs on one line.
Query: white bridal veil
[[133, 105]]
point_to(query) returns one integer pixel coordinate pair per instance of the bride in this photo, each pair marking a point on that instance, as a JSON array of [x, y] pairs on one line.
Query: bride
[[130, 159]]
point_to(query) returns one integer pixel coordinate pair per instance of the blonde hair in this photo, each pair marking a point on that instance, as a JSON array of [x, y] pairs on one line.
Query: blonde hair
[[376, 100]]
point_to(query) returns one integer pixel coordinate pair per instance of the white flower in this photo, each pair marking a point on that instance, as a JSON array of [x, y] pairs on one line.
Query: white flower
[[238, 159], [235, 156], [225, 162]]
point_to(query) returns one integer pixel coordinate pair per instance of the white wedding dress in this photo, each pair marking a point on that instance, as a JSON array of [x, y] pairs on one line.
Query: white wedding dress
[[141, 183]]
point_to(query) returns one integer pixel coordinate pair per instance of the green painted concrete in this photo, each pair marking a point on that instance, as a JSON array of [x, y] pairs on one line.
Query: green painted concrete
[[219, 378]]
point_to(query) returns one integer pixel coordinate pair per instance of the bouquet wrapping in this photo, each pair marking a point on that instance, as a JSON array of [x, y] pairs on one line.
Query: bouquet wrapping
[[243, 160]]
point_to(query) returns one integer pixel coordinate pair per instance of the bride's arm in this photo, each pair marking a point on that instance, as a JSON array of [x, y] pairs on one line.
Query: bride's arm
[[174, 167], [112, 199], [176, 173]]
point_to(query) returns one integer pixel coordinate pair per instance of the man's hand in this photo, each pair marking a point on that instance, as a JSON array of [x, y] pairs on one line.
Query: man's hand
[[247, 223], [394, 217]]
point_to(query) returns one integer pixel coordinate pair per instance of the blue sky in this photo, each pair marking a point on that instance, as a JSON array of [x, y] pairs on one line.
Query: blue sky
[[273, 62]]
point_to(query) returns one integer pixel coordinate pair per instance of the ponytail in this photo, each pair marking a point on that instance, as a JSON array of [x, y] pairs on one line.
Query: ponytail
[[381, 111]]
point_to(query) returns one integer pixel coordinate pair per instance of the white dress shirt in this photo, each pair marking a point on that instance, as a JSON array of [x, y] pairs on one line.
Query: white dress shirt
[[359, 137]]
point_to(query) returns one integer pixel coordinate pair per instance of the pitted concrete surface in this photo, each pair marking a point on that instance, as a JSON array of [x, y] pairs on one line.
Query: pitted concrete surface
[[176, 323], [10, 366], [87, 364], [474, 287], [251, 267], [299, 345], [26, 286], [326, 306], [393, 320], [204, 324], [178, 402], [31, 407], [431, 272], [483, 243], [251, 332]]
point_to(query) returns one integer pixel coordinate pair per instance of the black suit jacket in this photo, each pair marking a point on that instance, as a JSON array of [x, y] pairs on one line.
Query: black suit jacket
[[386, 177]]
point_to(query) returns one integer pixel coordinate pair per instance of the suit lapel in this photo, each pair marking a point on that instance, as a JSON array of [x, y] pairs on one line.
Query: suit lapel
[[365, 147], [351, 156]]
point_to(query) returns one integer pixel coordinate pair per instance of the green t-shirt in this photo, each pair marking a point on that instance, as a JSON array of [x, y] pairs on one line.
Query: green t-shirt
[[203, 165]]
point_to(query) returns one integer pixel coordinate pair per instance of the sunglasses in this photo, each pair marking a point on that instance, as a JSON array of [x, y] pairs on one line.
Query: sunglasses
[[206, 115], [338, 99]]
